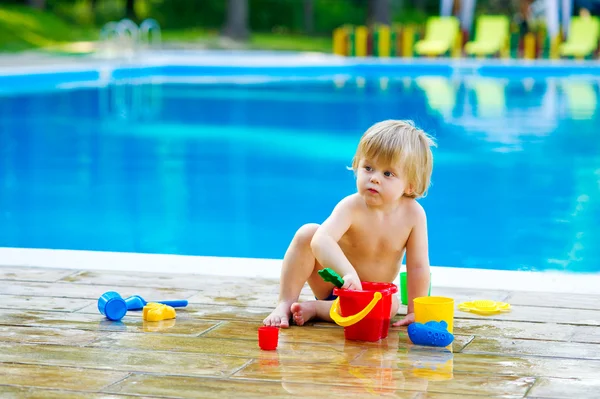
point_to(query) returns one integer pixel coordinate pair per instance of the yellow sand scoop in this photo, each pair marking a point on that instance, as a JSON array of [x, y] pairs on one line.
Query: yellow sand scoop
[[484, 307]]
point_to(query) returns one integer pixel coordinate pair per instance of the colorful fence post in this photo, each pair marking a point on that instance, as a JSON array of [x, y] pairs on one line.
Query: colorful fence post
[[340, 41], [408, 39], [361, 36], [529, 48], [383, 41]]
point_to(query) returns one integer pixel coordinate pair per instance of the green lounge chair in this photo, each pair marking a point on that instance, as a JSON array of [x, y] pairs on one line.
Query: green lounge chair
[[583, 37], [582, 100], [440, 36], [490, 97], [491, 36], [440, 93]]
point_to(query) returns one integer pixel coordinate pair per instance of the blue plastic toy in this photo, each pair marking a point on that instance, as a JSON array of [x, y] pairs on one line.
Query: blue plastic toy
[[432, 333], [136, 302], [112, 305]]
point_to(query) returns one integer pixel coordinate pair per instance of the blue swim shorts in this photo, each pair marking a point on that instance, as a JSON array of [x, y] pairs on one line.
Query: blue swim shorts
[[331, 297]]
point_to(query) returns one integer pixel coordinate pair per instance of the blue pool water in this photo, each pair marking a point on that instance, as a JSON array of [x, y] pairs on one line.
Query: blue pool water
[[235, 169]]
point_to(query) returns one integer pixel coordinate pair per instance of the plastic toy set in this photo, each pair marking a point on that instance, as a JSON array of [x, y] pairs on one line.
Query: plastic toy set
[[365, 314], [115, 307]]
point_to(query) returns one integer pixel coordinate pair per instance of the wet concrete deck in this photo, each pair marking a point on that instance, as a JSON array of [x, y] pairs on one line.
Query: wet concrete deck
[[54, 343]]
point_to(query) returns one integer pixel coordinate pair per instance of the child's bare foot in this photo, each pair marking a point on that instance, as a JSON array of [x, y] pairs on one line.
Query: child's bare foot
[[304, 311], [280, 316]]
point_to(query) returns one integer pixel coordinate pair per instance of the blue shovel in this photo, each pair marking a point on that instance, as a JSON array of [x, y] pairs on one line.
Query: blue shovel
[[136, 302]]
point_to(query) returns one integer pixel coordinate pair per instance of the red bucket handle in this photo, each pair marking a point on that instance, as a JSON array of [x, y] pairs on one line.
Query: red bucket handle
[[346, 321]]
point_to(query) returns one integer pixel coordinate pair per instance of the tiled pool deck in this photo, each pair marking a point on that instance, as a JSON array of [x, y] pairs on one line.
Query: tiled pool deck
[[54, 343]]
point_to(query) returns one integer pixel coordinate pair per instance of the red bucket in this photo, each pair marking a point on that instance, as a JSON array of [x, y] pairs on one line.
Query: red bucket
[[365, 314]]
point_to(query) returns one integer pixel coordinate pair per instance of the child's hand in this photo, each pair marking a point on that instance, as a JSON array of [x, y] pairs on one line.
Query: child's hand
[[409, 318], [352, 282]]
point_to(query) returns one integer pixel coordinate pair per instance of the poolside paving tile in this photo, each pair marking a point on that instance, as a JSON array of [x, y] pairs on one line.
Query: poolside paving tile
[[212, 312], [88, 291], [586, 334], [514, 329], [397, 337], [184, 387], [43, 303], [228, 347], [540, 315], [553, 300], [83, 321], [119, 359], [33, 273], [433, 358], [515, 347], [7, 391], [243, 296], [463, 294], [80, 379], [56, 336], [55, 343], [202, 311], [390, 377], [173, 281], [132, 322], [560, 388]]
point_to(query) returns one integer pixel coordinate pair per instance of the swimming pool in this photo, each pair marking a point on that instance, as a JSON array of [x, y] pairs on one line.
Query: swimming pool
[[232, 167]]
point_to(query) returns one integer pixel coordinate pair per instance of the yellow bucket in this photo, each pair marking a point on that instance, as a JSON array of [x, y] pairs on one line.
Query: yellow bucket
[[435, 308]]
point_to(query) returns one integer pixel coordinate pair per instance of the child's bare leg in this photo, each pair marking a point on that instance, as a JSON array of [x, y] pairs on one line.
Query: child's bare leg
[[306, 311], [299, 266], [309, 310]]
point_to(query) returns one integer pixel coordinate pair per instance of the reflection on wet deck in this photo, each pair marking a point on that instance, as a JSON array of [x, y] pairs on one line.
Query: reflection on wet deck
[[54, 343]]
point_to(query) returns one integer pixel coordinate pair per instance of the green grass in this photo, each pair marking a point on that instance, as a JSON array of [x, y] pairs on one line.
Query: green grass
[[291, 43], [186, 35], [262, 41], [24, 28]]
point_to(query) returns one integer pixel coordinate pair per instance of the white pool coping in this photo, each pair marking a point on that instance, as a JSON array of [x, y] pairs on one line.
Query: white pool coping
[[284, 60], [469, 278]]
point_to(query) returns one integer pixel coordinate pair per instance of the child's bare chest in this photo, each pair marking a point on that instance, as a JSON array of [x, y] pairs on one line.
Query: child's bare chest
[[379, 237]]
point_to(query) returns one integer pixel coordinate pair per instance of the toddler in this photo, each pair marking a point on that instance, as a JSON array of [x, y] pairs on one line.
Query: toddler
[[367, 233]]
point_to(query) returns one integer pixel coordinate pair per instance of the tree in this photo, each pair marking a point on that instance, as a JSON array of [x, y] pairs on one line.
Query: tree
[[130, 9], [309, 17], [39, 4], [420, 5], [236, 25], [379, 12]]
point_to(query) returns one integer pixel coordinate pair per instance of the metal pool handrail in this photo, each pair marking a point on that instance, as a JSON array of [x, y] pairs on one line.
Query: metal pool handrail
[[147, 26]]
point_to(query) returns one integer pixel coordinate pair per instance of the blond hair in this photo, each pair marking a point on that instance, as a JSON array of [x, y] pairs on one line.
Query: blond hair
[[392, 142]]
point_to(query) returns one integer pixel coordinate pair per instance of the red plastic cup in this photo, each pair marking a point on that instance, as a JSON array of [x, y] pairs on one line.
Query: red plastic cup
[[268, 337]]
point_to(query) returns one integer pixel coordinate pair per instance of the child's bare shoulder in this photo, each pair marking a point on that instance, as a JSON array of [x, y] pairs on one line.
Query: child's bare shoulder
[[352, 202], [415, 211], [346, 209]]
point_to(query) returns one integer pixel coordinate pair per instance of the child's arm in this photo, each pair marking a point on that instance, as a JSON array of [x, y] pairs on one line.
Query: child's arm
[[325, 245], [417, 265]]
